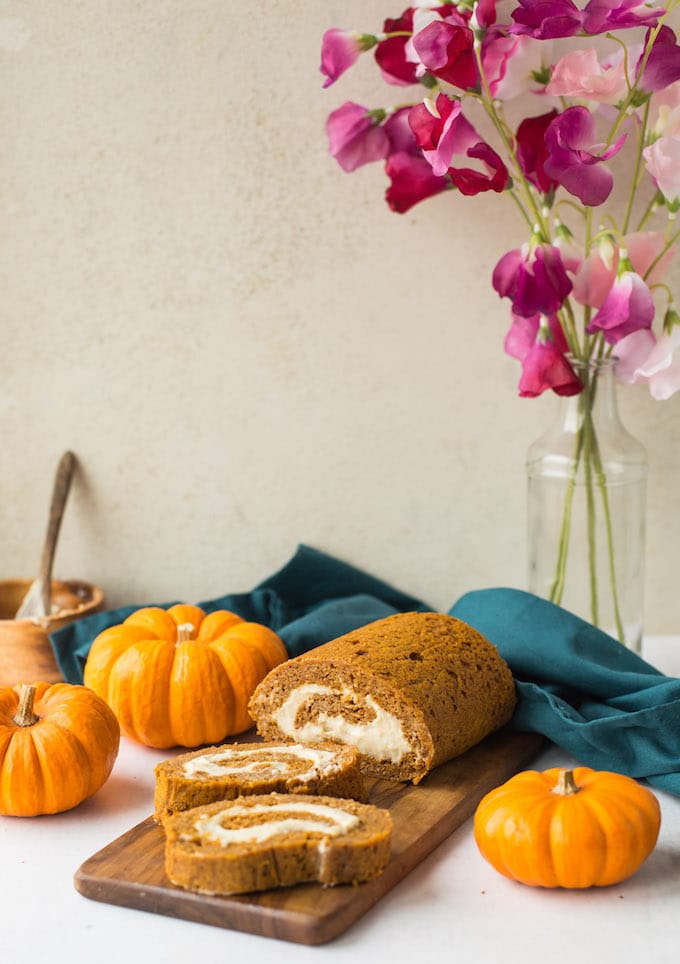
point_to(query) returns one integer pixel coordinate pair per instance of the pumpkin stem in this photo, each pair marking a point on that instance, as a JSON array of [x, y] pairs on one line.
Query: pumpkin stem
[[184, 632], [566, 785], [24, 714]]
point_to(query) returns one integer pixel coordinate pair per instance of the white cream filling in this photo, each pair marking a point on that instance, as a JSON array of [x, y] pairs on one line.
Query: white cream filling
[[382, 738], [330, 821], [232, 761]]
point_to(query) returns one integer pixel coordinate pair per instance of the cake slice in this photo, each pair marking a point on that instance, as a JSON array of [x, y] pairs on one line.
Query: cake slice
[[225, 772], [410, 692], [276, 840]]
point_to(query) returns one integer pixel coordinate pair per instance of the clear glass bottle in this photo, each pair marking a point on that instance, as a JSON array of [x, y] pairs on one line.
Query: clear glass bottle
[[586, 509]]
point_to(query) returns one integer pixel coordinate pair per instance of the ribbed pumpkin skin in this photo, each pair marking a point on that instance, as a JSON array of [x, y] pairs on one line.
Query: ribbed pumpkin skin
[[179, 677], [595, 837], [61, 759]]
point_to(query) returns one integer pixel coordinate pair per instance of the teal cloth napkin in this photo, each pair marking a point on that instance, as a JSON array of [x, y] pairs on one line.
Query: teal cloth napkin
[[576, 685]]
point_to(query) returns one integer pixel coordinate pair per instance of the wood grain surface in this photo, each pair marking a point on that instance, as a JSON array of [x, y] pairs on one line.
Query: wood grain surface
[[130, 871]]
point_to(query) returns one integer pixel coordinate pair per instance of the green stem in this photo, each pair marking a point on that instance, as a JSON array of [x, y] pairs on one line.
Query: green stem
[[635, 179]]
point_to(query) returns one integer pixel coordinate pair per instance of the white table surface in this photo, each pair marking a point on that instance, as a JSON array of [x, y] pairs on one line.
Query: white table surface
[[453, 906]]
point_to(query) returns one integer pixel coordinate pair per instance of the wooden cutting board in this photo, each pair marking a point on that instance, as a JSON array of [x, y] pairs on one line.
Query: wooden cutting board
[[130, 870]]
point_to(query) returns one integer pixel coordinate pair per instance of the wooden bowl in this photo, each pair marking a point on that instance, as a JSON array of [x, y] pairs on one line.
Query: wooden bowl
[[26, 654]]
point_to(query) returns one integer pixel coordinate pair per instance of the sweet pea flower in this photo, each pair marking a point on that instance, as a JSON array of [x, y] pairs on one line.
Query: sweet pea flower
[[599, 16], [580, 74], [533, 278], [546, 19], [532, 151], [539, 343], [628, 307], [355, 137], [512, 63], [446, 49], [412, 180], [662, 159], [571, 162], [392, 53], [443, 133], [663, 63], [340, 49], [596, 275], [641, 358]]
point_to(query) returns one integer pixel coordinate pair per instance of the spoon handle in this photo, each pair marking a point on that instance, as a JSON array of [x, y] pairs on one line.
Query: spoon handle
[[60, 490]]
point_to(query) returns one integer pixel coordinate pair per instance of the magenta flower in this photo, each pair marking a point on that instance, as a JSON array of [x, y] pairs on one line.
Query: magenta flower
[[339, 50], [412, 181], [600, 16], [443, 133], [570, 161], [532, 151], [546, 19], [355, 137], [446, 48], [390, 54], [663, 64], [540, 345], [533, 278], [628, 307]]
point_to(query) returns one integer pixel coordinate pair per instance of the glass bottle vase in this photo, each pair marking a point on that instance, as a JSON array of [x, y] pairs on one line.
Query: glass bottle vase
[[586, 509]]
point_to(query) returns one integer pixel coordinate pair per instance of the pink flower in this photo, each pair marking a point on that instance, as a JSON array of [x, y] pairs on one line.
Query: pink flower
[[511, 64], [663, 64], [442, 132], [412, 181], [355, 137], [579, 74], [628, 307], [569, 140], [533, 278], [532, 151], [597, 273], [339, 50], [600, 16], [663, 164], [446, 48], [540, 345], [644, 359], [546, 19]]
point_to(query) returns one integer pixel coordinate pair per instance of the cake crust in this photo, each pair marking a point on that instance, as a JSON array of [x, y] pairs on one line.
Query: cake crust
[[410, 691]]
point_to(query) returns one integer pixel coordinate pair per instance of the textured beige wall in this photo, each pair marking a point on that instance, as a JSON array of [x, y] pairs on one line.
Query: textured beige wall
[[241, 343]]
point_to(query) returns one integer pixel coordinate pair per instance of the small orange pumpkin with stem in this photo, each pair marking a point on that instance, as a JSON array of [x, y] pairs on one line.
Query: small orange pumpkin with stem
[[179, 677], [567, 828], [58, 744]]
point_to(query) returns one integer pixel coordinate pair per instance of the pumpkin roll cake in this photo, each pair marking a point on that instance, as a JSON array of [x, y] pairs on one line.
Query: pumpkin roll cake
[[276, 840], [410, 692], [225, 772]]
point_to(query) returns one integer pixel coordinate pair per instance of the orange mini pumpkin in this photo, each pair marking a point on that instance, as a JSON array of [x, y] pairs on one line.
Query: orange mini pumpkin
[[567, 828], [179, 677], [58, 744]]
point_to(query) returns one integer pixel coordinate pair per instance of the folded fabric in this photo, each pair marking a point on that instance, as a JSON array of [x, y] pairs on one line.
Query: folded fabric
[[576, 685]]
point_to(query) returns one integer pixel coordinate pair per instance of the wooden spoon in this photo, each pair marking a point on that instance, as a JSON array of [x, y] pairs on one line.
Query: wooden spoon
[[37, 602]]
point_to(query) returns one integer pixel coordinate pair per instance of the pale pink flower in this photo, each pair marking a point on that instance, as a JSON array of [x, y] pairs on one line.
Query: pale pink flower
[[595, 276], [663, 164], [511, 62], [664, 111], [579, 74], [644, 359]]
